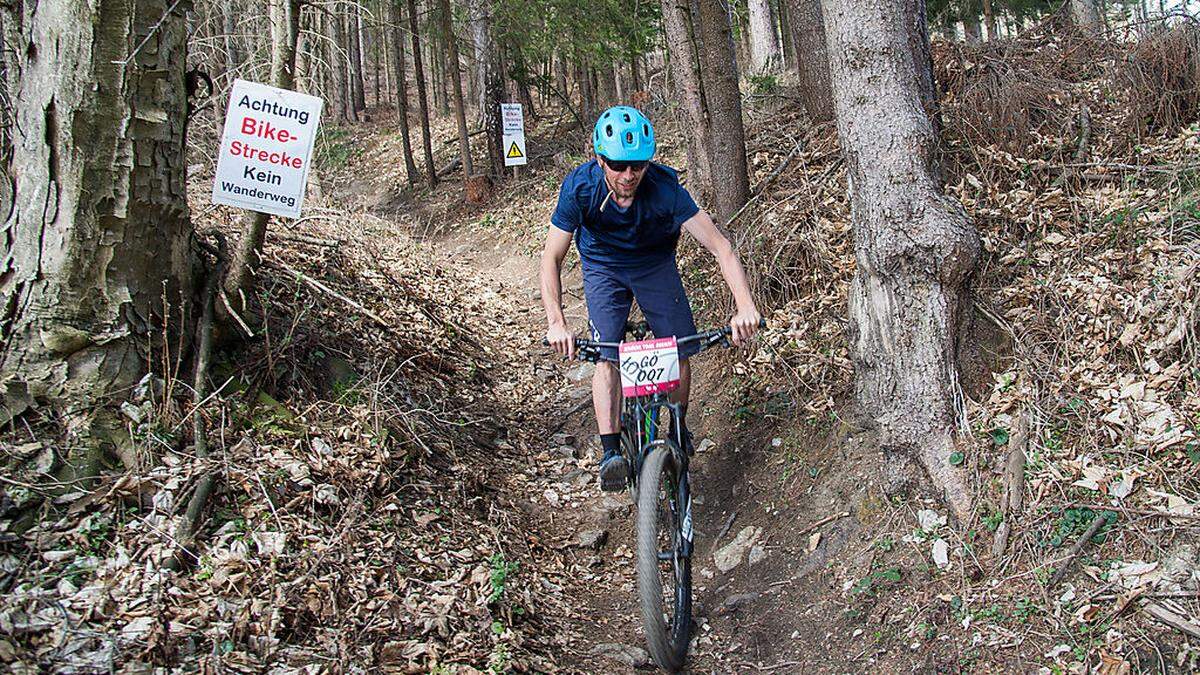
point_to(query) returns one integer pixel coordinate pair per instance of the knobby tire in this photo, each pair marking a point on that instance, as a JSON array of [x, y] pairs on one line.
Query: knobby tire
[[659, 478]]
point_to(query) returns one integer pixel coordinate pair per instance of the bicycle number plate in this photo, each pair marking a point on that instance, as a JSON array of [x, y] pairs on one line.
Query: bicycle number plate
[[649, 367]]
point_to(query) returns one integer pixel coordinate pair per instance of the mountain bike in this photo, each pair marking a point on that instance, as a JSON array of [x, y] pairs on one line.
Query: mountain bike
[[658, 481]]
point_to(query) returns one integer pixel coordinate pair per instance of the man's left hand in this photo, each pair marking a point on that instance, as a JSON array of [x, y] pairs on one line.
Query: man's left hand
[[744, 325]]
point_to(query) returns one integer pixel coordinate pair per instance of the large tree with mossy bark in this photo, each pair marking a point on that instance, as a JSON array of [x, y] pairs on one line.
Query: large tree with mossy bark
[[95, 251]]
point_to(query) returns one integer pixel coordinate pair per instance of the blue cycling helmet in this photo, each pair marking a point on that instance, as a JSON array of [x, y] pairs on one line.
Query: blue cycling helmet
[[624, 134]]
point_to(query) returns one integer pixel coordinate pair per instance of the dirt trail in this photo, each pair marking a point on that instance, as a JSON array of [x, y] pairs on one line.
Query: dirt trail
[[769, 613], [823, 584]]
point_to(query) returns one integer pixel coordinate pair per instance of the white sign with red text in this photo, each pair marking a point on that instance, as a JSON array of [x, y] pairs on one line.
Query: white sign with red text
[[649, 366], [266, 149]]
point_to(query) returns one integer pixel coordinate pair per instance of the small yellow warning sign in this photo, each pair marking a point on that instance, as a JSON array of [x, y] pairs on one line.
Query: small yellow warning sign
[[514, 151]]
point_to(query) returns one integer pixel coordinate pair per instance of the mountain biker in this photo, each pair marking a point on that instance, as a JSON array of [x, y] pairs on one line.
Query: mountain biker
[[625, 214]]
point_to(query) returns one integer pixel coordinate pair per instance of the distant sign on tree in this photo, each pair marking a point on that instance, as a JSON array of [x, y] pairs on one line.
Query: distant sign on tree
[[266, 149], [513, 120]]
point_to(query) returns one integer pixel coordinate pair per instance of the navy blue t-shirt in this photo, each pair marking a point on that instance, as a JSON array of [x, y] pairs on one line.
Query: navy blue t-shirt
[[644, 233]]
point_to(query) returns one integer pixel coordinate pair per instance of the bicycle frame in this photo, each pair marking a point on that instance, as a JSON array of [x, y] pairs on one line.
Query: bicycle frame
[[642, 413]]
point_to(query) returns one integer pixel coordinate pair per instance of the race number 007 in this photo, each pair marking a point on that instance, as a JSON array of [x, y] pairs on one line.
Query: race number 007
[[649, 366]]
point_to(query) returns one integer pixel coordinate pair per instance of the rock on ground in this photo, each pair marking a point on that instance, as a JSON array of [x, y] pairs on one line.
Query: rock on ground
[[731, 555], [634, 657]]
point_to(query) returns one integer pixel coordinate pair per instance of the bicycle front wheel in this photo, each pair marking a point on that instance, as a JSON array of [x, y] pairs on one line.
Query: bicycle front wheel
[[664, 569]]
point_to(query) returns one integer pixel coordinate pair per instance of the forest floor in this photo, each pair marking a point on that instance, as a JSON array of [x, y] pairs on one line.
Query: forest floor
[[407, 478]]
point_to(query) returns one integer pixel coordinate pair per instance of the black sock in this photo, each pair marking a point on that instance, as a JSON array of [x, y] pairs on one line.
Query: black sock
[[611, 443]]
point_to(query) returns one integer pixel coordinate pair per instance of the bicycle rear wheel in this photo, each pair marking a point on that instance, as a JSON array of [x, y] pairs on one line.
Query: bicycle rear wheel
[[664, 572]]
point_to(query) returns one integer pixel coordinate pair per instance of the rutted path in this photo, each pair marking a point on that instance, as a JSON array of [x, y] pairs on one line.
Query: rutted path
[[756, 614]]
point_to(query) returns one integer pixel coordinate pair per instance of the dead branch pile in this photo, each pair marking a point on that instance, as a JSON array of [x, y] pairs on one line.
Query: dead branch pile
[[1160, 78]]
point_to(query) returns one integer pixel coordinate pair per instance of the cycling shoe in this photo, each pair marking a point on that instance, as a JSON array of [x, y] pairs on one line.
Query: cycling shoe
[[614, 473]]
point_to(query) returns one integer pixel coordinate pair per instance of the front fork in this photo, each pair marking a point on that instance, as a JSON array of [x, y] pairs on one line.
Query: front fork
[[645, 420]]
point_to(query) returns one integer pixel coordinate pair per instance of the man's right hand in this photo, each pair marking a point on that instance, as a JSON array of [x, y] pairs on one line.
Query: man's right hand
[[561, 339]]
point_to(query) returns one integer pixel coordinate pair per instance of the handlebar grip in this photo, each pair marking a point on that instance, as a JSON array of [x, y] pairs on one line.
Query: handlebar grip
[[762, 323]]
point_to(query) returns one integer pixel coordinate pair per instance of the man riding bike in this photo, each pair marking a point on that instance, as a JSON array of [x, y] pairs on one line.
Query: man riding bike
[[626, 214]]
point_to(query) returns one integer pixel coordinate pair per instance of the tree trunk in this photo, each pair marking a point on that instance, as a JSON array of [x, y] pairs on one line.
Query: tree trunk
[[99, 230], [488, 81], [460, 113], [787, 38], [354, 33], [812, 60], [233, 59], [345, 60], [915, 248], [971, 28], [730, 187], [443, 90], [375, 66], [334, 58], [422, 100], [285, 31], [1085, 15], [989, 20], [304, 60], [678, 25], [917, 27], [410, 167], [606, 89], [764, 48]]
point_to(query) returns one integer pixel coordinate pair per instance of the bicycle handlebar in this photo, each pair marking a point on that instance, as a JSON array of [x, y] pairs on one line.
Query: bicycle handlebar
[[589, 350]]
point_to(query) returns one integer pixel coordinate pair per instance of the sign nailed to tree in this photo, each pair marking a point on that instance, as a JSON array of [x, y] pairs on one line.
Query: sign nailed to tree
[[266, 149], [514, 134]]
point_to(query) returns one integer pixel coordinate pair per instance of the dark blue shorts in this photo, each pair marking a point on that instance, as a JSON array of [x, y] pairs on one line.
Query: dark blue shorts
[[610, 293]]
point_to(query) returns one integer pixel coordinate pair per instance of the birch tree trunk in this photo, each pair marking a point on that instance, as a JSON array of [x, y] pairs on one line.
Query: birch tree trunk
[[764, 48], [99, 229], [812, 62], [410, 167], [422, 99], [1084, 13], [460, 113], [915, 249]]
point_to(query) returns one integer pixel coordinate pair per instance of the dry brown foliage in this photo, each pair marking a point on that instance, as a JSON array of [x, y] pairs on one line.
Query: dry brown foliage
[[1160, 79]]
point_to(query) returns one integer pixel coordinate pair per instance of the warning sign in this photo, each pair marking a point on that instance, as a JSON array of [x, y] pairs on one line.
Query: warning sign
[[265, 149], [514, 134]]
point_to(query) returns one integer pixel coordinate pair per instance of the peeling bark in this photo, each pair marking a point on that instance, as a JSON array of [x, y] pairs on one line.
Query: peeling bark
[[98, 233], [916, 250]]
